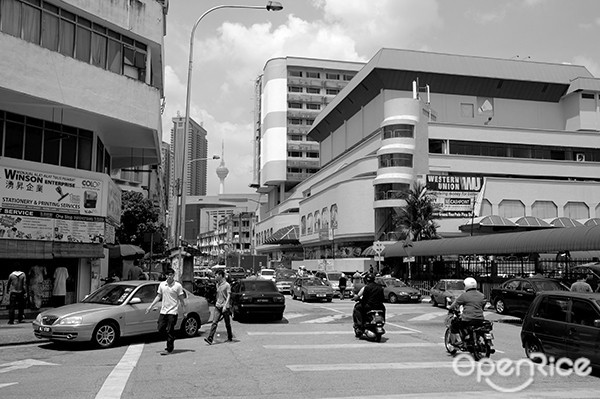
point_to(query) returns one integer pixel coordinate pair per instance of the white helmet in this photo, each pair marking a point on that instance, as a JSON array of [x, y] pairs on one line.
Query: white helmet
[[470, 283]]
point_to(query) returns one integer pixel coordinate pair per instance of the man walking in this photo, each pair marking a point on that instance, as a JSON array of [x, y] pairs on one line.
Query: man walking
[[172, 295], [221, 308], [16, 293]]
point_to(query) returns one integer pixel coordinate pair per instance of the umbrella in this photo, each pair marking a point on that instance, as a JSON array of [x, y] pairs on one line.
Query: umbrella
[[125, 251]]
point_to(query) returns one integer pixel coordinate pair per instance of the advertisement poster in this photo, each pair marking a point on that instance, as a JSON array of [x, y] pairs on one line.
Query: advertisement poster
[[36, 205], [457, 196]]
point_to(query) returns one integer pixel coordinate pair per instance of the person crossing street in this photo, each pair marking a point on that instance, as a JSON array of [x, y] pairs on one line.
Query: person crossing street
[[222, 308]]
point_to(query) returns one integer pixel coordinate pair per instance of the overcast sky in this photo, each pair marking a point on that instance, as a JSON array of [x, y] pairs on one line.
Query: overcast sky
[[232, 46]]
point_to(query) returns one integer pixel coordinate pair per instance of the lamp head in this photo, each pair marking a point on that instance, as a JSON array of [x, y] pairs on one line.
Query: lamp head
[[274, 6]]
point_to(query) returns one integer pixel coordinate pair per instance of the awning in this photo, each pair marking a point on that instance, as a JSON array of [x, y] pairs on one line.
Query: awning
[[25, 249], [563, 222], [590, 221], [544, 241], [530, 222], [488, 224], [77, 250], [286, 235], [125, 251]]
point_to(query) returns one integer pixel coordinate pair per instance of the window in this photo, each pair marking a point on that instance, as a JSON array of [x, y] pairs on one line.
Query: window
[[588, 96], [310, 154], [332, 92], [313, 75], [310, 122], [583, 313], [313, 106], [295, 89], [332, 76], [295, 121], [396, 160], [552, 308], [348, 77], [295, 105], [313, 90], [295, 154], [398, 131], [297, 74], [467, 110], [544, 209], [296, 137]]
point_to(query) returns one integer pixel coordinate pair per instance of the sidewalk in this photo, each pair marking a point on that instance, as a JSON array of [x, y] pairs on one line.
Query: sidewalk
[[18, 333]]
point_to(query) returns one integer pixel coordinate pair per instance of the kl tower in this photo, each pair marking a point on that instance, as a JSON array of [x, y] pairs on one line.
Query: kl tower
[[222, 170]]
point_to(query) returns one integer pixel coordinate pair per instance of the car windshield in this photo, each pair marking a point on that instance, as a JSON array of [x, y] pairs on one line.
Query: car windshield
[[455, 285], [267, 272], [334, 276], [236, 270], [285, 273], [395, 283], [258, 285], [314, 281], [110, 294], [548, 285]]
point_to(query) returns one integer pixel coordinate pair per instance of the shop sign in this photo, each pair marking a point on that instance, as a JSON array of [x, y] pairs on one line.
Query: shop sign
[[455, 196]]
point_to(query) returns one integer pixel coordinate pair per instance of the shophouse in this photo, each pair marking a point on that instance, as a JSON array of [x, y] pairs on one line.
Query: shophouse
[[81, 86]]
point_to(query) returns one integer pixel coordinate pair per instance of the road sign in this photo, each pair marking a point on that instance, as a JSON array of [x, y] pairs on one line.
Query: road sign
[[378, 247], [378, 258]]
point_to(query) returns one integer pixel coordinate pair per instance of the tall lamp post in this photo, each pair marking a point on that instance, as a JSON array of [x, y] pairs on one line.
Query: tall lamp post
[[271, 6]]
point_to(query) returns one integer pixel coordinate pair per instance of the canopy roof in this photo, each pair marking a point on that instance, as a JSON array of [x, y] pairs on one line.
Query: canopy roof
[[286, 235], [583, 238]]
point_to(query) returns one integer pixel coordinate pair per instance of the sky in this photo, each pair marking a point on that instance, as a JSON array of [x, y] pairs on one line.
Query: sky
[[231, 47]]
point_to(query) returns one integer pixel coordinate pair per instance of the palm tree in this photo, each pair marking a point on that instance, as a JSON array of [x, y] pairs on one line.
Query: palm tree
[[416, 220]]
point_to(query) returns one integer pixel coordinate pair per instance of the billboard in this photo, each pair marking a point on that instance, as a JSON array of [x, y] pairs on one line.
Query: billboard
[[456, 196]]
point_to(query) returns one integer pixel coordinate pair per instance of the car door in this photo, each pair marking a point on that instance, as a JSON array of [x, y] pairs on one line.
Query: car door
[[583, 338], [549, 324], [136, 321], [509, 292], [523, 297]]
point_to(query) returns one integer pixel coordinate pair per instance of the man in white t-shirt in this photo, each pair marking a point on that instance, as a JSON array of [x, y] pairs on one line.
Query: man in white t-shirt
[[171, 294]]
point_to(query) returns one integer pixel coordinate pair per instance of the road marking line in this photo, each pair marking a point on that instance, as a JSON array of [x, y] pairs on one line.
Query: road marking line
[[369, 345], [428, 316], [368, 366], [23, 364], [403, 327], [294, 315], [317, 332], [8, 384], [117, 379], [325, 319]]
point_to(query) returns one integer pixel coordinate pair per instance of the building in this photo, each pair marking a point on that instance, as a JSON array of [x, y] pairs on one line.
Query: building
[[291, 92], [508, 138], [81, 86]]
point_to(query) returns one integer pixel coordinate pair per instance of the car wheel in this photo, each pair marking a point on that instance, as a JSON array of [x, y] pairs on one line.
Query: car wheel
[[105, 335], [190, 326], [302, 297], [393, 298], [500, 306], [433, 301], [532, 345]]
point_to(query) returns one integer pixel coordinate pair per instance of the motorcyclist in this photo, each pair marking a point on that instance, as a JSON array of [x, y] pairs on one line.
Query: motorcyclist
[[370, 297], [473, 303]]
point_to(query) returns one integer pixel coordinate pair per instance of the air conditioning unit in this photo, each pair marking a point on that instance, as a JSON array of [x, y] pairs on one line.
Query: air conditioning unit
[[580, 157]]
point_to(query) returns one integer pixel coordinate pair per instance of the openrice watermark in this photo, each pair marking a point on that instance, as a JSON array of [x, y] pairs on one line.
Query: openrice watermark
[[464, 365]]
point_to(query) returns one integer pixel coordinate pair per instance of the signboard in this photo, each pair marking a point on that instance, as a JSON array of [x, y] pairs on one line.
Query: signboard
[[408, 259], [456, 196], [47, 206], [378, 258], [378, 247]]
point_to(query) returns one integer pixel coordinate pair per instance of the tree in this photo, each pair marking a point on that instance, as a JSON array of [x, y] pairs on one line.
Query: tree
[[139, 221], [416, 220]]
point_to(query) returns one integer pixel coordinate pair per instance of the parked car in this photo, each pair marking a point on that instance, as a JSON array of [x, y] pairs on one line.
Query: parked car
[[446, 291], [333, 279], [113, 311], [268, 274], [311, 288], [515, 295], [236, 273], [256, 297], [284, 278], [563, 324], [396, 290]]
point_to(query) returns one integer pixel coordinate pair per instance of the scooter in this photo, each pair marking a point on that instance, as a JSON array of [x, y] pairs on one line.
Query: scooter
[[372, 328], [476, 339]]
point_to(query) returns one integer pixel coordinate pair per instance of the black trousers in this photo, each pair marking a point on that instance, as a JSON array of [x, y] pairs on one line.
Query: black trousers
[[166, 327], [16, 301]]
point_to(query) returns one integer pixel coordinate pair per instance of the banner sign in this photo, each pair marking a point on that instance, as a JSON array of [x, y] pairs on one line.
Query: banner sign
[[456, 196], [40, 205]]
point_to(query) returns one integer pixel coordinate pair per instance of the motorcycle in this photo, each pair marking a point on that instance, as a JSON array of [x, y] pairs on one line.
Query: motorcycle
[[475, 339], [372, 328]]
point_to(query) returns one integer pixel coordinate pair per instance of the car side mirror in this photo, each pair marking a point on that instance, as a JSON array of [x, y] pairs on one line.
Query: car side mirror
[[530, 290], [135, 300], [597, 323]]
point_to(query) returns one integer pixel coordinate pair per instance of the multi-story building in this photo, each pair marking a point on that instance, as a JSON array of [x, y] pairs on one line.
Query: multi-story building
[[81, 84], [508, 138], [289, 95]]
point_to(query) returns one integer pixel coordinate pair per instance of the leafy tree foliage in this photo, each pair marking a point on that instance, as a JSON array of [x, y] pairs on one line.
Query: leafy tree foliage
[[139, 219], [416, 220]]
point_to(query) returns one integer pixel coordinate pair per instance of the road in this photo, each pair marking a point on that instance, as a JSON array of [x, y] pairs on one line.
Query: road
[[312, 353]]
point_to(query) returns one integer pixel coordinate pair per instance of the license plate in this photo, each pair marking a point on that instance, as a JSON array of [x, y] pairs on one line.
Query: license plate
[[321, 295], [262, 300], [489, 336], [45, 329], [414, 297]]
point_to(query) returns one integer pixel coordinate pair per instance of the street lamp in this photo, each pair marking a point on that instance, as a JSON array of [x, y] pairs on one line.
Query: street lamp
[[271, 6]]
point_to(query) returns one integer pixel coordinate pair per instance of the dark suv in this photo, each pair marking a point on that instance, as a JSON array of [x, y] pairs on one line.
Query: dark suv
[[563, 324]]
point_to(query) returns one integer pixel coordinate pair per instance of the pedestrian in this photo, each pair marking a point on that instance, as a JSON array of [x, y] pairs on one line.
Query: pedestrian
[[171, 293], [136, 272], [356, 278], [592, 280], [222, 309], [59, 290], [580, 285], [342, 286], [17, 290]]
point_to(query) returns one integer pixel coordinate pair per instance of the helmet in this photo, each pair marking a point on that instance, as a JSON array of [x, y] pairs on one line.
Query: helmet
[[470, 283], [302, 268], [369, 278]]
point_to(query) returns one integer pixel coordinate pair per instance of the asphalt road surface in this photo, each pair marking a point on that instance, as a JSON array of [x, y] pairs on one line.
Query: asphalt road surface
[[312, 353]]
